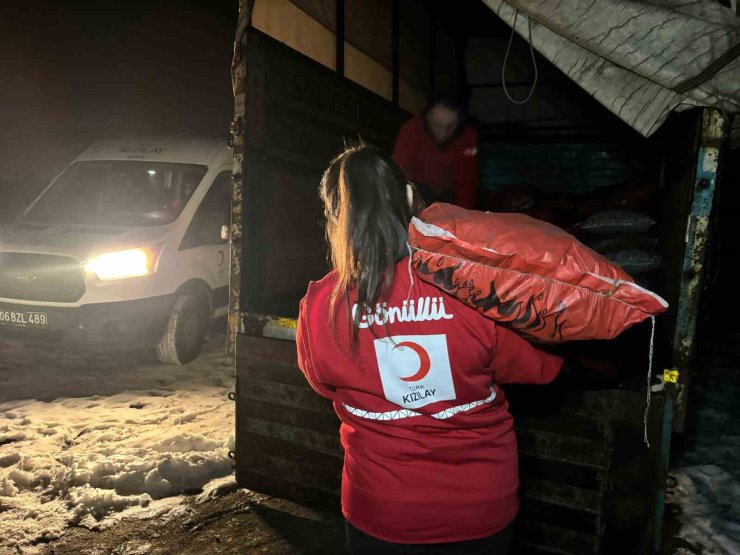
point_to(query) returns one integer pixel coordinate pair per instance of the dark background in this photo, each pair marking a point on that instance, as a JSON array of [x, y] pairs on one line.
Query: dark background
[[72, 73]]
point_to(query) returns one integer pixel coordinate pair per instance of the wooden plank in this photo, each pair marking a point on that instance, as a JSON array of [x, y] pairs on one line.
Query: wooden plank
[[282, 394], [593, 427], [563, 517], [274, 351], [561, 472], [329, 443], [278, 487], [290, 416], [587, 402], [249, 441], [555, 539], [566, 496], [583, 452], [321, 478], [273, 372], [550, 401]]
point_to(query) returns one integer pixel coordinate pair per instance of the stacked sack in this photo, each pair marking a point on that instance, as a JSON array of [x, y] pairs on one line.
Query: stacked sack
[[623, 237]]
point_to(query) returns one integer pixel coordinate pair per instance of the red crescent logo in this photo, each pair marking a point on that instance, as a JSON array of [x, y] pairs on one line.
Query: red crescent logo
[[425, 364]]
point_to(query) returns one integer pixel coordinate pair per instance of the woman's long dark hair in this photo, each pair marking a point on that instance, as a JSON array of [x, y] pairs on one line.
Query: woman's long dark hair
[[368, 209]]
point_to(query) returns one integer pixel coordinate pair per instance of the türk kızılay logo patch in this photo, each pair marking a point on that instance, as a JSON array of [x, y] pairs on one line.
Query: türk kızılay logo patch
[[415, 369]]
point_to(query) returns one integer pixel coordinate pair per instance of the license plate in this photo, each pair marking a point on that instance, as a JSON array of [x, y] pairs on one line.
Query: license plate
[[23, 318]]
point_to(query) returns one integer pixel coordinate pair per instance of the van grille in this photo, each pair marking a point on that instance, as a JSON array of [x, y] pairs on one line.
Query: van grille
[[40, 277]]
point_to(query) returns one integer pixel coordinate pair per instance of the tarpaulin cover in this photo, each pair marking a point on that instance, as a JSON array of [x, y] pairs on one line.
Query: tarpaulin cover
[[641, 59], [528, 274]]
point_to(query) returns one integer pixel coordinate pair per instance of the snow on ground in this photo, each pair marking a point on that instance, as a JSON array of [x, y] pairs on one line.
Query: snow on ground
[[708, 468], [710, 508], [154, 432]]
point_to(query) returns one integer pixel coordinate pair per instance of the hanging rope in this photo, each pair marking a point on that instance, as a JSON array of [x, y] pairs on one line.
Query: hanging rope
[[649, 379], [506, 59]]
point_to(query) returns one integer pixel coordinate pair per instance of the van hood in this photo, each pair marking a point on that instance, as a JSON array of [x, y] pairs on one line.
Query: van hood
[[77, 241]]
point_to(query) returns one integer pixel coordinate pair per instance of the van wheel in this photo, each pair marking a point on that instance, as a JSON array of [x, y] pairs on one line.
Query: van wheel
[[183, 337]]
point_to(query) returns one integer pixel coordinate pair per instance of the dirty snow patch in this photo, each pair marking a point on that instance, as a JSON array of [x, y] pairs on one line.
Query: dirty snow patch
[[92, 460], [710, 508], [217, 488]]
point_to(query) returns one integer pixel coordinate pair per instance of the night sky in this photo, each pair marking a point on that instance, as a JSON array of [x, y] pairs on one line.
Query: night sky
[[77, 72]]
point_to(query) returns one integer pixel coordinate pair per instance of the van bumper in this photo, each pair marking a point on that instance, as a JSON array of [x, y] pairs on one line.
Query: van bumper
[[124, 325]]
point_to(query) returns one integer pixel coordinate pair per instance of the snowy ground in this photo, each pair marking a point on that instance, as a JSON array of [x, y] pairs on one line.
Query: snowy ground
[[706, 500], [87, 440]]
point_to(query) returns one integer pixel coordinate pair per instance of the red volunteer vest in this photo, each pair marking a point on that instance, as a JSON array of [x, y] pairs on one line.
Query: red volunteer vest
[[429, 447]]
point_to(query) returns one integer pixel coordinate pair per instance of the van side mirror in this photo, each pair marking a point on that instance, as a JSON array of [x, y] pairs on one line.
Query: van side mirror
[[224, 233]]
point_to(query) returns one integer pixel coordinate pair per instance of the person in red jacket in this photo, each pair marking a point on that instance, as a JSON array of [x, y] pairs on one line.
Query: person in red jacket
[[430, 455], [439, 154]]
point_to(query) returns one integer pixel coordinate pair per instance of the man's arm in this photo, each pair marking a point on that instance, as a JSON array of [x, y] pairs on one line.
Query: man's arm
[[466, 170]]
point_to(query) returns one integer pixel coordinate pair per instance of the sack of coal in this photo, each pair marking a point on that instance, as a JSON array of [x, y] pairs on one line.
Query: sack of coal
[[618, 222], [527, 274], [635, 261]]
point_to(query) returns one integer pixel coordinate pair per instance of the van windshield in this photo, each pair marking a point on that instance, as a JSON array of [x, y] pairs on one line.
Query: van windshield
[[125, 193]]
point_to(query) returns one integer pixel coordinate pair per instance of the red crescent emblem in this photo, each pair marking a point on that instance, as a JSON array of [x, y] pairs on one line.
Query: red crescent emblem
[[425, 364]]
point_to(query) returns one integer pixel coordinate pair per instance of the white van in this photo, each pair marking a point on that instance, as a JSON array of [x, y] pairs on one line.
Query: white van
[[127, 247]]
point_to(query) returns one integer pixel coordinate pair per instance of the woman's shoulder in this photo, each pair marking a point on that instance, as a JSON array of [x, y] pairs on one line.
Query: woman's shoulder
[[317, 290], [317, 298]]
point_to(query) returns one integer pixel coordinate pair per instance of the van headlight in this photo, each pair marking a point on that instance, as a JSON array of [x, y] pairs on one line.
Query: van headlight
[[124, 264]]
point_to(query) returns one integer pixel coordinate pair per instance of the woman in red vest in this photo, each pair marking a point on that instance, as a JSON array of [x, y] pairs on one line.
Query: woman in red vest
[[430, 457]]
